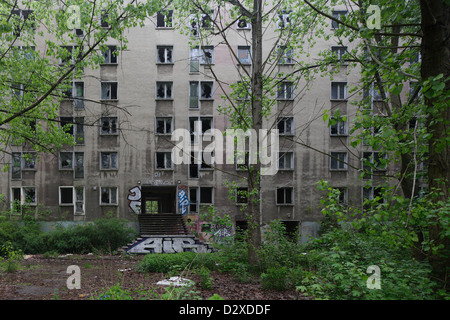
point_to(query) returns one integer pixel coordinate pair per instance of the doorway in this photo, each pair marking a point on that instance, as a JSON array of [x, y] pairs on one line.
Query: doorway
[[157, 200]]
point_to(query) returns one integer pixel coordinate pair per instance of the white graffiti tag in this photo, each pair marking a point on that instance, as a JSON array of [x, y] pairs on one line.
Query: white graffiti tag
[[134, 199]]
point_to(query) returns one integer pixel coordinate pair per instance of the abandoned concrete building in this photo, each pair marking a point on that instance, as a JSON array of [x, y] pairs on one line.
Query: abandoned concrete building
[[124, 113]]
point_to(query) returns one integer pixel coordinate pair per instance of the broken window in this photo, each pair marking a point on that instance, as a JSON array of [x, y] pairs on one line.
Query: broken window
[[108, 195], [343, 195], [285, 125], [286, 160], [66, 195], [163, 125], [22, 161], [199, 125], [24, 18], [79, 200], [338, 161], [104, 18], [110, 55], [338, 14], [164, 19], [206, 89], [78, 94], [108, 125], [285, 195], [244, 55], [373, 161], [108, 160], [339, 128], [242, 160], [65, 160], [79, 165], [163, 160], [164, 90], [75, 127], [201, 21], [339, 90], [283, 19], [285, 91], [206, 195], [164, 54], [370, 194], [243, 23], [109, 90], [194, 165]]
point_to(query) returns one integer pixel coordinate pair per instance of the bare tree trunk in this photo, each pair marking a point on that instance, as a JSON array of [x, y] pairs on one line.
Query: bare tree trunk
[[254, 209], [436, 60]]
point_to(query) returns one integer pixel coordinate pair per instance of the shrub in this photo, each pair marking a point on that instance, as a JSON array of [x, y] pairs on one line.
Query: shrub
[[164, 263], [274, 279], [206, 281]]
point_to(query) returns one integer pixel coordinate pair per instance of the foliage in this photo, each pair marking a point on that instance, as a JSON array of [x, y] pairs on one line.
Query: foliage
[[274, 278], [164, 263], [9, 257], [206, 281], [104, 235]]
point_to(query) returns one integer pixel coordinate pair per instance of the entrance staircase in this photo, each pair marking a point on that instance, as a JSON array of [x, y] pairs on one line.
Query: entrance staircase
[[164, 233]]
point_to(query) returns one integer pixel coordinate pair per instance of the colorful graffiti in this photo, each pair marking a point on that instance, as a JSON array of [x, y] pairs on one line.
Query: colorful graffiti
[[134, 199], [183, 200], [169, 244]]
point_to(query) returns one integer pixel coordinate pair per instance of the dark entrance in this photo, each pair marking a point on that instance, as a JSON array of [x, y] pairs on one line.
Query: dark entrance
[[158, 200], [159, 212]]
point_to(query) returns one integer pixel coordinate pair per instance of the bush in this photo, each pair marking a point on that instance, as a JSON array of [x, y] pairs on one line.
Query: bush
[[274, 279]]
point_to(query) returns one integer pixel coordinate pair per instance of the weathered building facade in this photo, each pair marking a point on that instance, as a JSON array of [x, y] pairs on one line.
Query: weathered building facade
[[124, 114]]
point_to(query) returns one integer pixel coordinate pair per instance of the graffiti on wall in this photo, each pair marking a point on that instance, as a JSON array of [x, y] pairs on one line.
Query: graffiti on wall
[[183, 201], [134, 199]]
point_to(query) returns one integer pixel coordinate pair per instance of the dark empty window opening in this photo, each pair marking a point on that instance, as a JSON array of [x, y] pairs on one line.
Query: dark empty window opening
[[164, 19], [206, 195], [206, 90], [66, 194], [164, 54], [285, 196]]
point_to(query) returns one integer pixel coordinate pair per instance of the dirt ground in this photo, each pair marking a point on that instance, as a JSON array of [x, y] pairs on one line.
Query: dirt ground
[[40, 278]]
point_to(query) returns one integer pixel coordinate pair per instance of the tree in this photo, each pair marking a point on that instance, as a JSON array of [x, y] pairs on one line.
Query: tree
[[71, 36]]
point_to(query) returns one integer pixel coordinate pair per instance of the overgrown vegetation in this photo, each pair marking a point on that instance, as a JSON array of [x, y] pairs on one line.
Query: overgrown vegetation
[[102, 235]]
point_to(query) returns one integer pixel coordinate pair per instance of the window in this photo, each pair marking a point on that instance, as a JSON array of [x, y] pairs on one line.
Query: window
[[72, 196], [285, 55], [163, 160], [75, 127], [339, 128], [370, 194], [69, 55], [66, 196], [201, 21], [194, 166], [163, 125], [78, 95], [108, 125], [241, 195], [206, 195], [108, 196], [337, 15], [203, 55], [199, 90], [79, 165], [78, 32], [339, 52], [285, 196], [193, 95], [193, 199], [243, 24], [108, 160], [199, 125], [26, 17], [21, 196], [66, 160], [242, 161], [79, 200], [338, 90], [244, 55], [283, 19], [22, 161], [164, 19], [285, 91], [343, 195], [286, 160], [104, 19], [164, 90], [373, 161], [110, 55], [109, 90], [338, 161], [285, 125], [164, 54]]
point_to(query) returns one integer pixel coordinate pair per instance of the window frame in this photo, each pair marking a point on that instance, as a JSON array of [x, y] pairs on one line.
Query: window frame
[[284, 154], [341, 165], [110, 188], [338, 90], [165, 84], [113, 86], [284, 203], [110, 167], [166, 48], [101, 126], [165, 119], [166, 154], [248, 60], [287, 88]]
